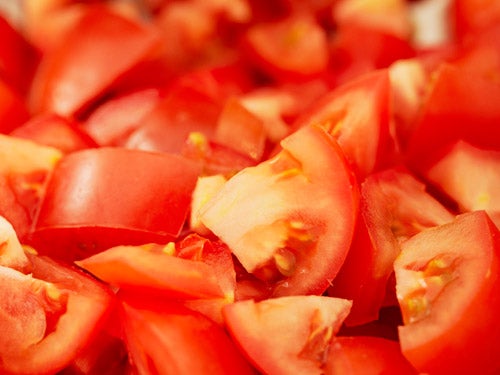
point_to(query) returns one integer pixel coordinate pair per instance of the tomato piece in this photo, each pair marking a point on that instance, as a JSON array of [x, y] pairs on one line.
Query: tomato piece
[[394, 207], [288, 334], [167, 126], [470, 176], [103, 197], [295, 247], [357, 115], [473, 16], [104, 355], [23, 172], [409, 82], [153, 269], [351, 59], [215, 159], [111, 122], [167, 338], [89, 60], [54, 131], [42, 322], [460, 105], [13, 111], [448, 290], [241, 130], [12, 254], [291, 49], [18, 58], [392, 17], [366, 355]]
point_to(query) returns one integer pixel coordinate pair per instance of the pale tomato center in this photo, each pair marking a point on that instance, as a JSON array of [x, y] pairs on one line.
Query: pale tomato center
[[425, 285]]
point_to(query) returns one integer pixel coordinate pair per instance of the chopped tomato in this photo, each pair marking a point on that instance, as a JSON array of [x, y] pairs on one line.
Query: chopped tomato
[[392, 16], [164, 337], [471, 114], [54, 131], [273, 231], [449, 292], [43, 327], [154, 269], [113, 121], [292, 49], [379, 49], [470, 176], [241, 130], [366, 355], [23, 172], [18, 58], [357, 116], [13, 111], [124, 197], [89, 60], [394, 207], [288, 334]]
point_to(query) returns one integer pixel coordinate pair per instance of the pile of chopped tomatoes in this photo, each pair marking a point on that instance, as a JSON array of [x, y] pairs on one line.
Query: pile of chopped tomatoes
[[249, 187]]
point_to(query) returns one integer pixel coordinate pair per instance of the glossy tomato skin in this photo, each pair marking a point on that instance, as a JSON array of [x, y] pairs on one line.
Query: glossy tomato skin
[[449, 296], [166, 338], [13, 111], [471, 114], [55, 131], [97, 198], [79, 70], [18, 58], [366, 355]]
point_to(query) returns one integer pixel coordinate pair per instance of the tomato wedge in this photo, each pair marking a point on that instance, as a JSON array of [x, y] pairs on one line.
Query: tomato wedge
[[470, 176], [357, 116], [394, 206], [449, 292], [286, 335], [89, 59], [167, 338], [297, 245], [47, 315], [151, 269], [105, 197]]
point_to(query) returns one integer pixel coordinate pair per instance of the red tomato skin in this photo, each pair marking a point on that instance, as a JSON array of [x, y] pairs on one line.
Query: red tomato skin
[[357, 115], [366, 355], [13, 111], [471, 113], [96, 199], [79, 69], [55, 131], [166, 338], [292, 49], [18, 58], [463, 317]]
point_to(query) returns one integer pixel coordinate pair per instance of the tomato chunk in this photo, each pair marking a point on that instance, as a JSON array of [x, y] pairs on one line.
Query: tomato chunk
[[103, 197], [448, 288], [295, 245]]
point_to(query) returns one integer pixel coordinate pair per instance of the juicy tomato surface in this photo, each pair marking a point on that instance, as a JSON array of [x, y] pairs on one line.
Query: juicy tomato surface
[[249, 187]]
